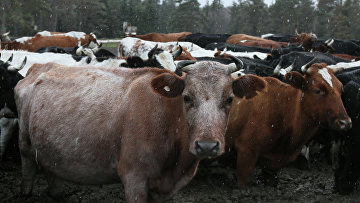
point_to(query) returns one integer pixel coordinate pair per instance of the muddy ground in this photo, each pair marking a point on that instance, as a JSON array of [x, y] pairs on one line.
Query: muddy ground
[[211, 184]]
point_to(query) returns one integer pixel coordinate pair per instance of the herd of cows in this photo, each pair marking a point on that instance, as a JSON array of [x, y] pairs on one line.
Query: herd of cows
[[147, 115]]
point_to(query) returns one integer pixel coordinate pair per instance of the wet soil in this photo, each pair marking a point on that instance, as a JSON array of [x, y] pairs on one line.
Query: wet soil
[[211, 184]]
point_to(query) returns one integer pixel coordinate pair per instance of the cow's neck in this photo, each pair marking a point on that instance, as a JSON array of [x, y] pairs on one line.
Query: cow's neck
[[304, 126]]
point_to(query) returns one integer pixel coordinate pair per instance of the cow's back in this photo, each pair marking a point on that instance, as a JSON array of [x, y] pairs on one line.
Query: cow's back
[[78, 119]]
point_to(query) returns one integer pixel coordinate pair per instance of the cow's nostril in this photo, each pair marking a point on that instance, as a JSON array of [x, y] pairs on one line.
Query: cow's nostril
[[207, 148], [344, 124]]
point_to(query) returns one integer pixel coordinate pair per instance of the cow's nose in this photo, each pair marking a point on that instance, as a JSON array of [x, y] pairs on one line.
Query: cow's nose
[[343, 124], [207, 148]]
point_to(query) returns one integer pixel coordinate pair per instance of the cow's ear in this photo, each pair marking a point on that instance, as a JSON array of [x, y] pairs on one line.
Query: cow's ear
[[168, 85], [247, 86], [295, 79]]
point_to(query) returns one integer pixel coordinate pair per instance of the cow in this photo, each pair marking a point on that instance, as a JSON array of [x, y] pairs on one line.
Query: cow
[[261, 130], [300, 59], [9, 77], [130, 46], [5, 37], [346, 164], [161, 37], [306, 40], [145, 127], [278, 37], [233, 39], [156, 58], [203, 39], [260, 43], [47, 39]]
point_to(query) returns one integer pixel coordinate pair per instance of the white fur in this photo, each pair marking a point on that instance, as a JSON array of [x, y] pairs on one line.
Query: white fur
[[78, 35], [22, 40], [326, 76], [166, 60], [344, 65], [137, 47], [64, 59], [267, 35]]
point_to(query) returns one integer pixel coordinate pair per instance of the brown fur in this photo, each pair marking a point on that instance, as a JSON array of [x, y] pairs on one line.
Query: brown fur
[[98, 125], [254, 41], [160, 37], [272, 128], [39, 41], [304, 39]]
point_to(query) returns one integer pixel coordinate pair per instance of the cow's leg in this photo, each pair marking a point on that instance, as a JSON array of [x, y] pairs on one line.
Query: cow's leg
[[54, 186], [246, 161], [136, 189], [7, 127], [28, 164]]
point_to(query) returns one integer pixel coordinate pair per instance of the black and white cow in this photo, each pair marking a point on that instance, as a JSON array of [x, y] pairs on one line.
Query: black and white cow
[[9, 77], [346, 149], [156, 58]]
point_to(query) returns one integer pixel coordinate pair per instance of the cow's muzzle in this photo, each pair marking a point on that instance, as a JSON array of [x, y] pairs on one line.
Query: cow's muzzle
[[343, 124], [207, 148]]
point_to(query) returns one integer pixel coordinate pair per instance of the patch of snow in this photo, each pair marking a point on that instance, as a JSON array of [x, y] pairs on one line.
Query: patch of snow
[[64, 59]]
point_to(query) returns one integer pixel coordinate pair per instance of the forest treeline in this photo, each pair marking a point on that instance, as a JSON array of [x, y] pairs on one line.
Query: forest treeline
[[326, 18]]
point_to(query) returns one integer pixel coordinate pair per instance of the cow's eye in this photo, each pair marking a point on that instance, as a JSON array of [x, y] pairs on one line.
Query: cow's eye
[[187, 99], [319, 92], [229, 100]]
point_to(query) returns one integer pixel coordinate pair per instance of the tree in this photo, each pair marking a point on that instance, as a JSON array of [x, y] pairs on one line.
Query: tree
[[149, 16], [216, 18], [187, 17], [351, 9]]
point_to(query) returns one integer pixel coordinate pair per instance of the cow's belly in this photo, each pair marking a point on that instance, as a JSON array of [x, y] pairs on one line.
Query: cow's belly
[[83, 165], [277, 160]]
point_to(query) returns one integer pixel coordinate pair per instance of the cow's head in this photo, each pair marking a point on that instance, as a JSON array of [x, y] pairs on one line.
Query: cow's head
[[207, 90], [9, 77], [304, 39], [156, 58], [91, 39], [5, 37], [321, 96]]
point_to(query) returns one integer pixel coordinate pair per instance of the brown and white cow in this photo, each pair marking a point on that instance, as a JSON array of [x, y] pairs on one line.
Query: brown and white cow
[[305, 39], [145, 127], [47, 39], [248, 40], [271, 128], [161, 37]]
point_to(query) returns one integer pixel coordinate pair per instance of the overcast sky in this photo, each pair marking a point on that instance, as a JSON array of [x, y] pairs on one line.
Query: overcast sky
[[229, 2]]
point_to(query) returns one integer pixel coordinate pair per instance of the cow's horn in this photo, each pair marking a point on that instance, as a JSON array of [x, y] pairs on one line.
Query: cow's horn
[[330, 42], [305, 67], [239, 64], [152, 52], [278, 67], [16, 69], [10, 59], [182, 65], [6, 34], [296, 32], [291, 67], [177, 52]]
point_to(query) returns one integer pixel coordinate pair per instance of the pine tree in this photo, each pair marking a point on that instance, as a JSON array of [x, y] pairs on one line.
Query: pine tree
[[187, 17]]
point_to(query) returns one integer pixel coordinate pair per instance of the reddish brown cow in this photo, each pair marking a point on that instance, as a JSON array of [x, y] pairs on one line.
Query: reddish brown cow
[[161, 37], [233, 39], [146, 127], [248, 40], [262, 43], [304, 39], [47, 39], [272, 128]]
